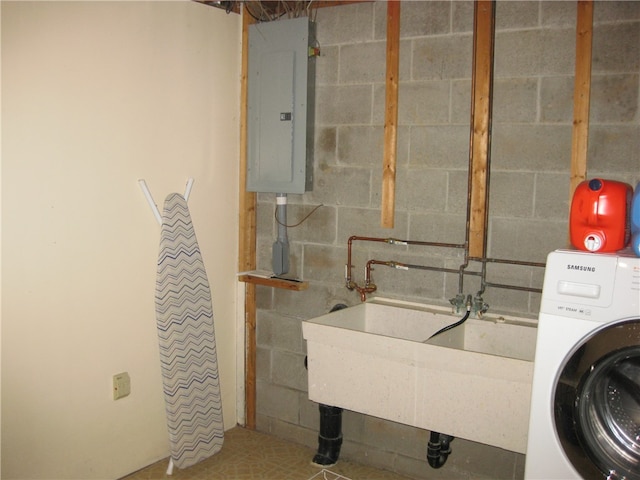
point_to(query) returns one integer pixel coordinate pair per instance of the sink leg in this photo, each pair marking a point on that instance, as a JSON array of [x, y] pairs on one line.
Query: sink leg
[[330, 437]]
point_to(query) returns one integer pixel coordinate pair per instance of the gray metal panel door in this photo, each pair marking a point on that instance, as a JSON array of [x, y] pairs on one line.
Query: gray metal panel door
[[279, 98]]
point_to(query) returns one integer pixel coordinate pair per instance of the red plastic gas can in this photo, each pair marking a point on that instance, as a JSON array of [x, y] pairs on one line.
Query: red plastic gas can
[[599, 217]]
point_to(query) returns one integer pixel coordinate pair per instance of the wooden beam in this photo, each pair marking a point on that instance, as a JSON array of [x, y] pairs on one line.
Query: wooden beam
[[480, 139], [247, 231], [391, 115], [250, 389], [247, 238], [581, 95]]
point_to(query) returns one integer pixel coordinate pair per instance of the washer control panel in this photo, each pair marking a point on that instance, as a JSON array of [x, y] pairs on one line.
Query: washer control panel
[[578, 284]]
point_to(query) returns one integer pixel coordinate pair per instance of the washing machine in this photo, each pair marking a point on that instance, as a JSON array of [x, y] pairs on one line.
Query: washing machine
[[585, 402]]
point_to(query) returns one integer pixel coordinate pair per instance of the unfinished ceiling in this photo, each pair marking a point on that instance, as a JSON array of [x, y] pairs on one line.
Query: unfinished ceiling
[[269, 10]]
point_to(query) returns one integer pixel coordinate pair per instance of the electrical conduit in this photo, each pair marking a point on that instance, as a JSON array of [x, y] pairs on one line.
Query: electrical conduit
[[280, 248]]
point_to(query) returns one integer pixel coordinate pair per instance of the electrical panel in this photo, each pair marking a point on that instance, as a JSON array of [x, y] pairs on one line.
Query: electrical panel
[[280, 106]]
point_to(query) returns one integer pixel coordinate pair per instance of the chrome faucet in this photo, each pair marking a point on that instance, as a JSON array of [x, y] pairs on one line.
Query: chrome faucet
[[457, 302], [479, 305], [475, 304]]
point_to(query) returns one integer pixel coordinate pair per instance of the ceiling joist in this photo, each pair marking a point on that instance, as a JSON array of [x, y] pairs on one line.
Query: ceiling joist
[[269, 10]]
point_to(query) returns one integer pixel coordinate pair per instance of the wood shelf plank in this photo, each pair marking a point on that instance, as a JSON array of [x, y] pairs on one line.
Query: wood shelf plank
[[260, 278]]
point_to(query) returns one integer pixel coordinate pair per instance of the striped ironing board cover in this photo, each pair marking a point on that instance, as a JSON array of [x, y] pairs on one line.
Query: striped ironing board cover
[[186, 337]]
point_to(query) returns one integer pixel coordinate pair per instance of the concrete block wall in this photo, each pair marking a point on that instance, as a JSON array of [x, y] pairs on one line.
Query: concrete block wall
[[529, 187]]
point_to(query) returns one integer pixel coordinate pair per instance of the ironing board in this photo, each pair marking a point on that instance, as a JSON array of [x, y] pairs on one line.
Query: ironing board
[[186, 337]]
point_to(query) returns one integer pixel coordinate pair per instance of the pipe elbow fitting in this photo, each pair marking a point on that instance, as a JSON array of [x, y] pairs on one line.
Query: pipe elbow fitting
[[438, 449]]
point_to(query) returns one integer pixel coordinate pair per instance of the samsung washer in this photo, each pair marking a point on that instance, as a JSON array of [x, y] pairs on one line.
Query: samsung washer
[[585, 403]]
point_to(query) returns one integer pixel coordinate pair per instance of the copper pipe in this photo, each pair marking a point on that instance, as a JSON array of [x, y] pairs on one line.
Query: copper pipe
[[369, 287], [508, 262], [405, 266], [513, 287], [391, 241], [352, 285], [484, 283]]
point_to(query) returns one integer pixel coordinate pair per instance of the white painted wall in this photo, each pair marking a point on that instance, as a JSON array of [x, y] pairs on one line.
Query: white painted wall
[[96, 95]]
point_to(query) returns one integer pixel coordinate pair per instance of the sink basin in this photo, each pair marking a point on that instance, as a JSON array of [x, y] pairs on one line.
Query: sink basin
[[492, 336], [473, 381]]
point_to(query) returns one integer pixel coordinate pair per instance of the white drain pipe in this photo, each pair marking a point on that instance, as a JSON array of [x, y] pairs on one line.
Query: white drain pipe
[[280, 249]]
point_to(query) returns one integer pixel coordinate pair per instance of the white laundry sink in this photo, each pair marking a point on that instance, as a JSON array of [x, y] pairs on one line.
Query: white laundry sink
[[473, 381]]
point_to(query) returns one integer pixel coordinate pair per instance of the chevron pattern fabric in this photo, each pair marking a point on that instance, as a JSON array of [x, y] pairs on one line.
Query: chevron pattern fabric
[[186, 337]]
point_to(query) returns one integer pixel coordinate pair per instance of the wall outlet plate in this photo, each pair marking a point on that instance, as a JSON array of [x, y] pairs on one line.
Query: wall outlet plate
[[121, 385]]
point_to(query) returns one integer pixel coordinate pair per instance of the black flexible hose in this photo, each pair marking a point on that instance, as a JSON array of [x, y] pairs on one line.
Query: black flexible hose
[[453, 325]]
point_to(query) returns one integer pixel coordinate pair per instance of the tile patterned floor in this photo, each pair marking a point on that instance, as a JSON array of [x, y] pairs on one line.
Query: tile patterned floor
[[251, 455]]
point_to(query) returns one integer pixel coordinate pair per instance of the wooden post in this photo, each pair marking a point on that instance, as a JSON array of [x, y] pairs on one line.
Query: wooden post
[[391, 115], [480, 139], [247, 219], [247, 238], [581, 95]]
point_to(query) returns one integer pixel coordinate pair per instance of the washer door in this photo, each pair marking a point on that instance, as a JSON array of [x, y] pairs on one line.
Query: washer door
[[597, 403]]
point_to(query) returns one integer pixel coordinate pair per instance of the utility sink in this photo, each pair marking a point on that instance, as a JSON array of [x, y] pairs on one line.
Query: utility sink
[[473, 381]]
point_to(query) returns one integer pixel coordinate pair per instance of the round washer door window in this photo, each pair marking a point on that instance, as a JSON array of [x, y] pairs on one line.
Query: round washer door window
[[597, 403]]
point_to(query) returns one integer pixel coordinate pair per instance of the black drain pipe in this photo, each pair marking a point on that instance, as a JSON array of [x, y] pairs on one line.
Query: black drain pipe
[[330, 435], [438, 449]]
